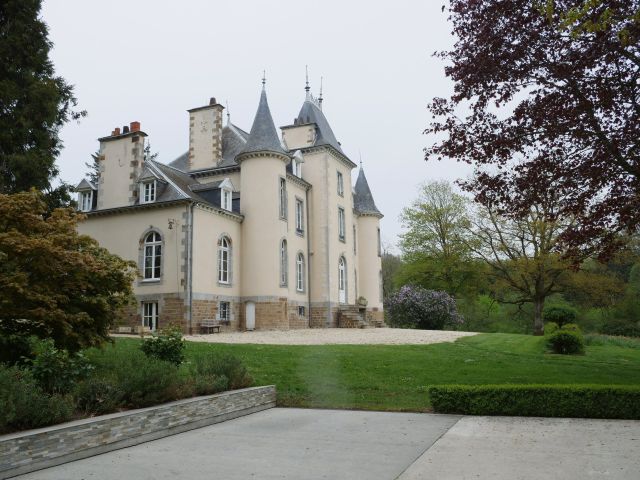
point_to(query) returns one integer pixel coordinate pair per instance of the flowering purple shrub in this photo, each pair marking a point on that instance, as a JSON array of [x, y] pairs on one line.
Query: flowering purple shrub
[[417, 307]]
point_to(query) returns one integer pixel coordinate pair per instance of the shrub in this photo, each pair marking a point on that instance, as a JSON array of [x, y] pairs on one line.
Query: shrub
[[55, 370], [621, 328], [571, 327], [565, 342], [560, 314], [168, 345], [550, 328], [215, 373], [14, 349], [24, 405], [416, 307], [577, 401], [98, 395], [602, 340]]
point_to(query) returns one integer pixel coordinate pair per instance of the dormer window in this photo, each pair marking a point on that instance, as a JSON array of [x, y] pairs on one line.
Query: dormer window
[[148, 191], [85, 200], [296, 168], [226, 195]]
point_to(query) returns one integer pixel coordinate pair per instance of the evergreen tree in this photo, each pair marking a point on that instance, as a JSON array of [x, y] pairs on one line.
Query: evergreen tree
[[34, 103]]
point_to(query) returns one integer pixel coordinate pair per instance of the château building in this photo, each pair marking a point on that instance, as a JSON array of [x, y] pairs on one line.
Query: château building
[[251, 230]]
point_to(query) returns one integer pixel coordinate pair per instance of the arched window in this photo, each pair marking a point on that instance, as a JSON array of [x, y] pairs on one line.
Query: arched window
[[152, 256], [342, 280], [283, 263], [224, 260], [300, 272]]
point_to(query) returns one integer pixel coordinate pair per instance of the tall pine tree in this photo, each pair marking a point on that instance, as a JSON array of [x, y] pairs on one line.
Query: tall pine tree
[[34, 103]]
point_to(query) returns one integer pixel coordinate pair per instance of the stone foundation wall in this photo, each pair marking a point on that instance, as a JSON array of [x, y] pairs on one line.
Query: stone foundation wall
[[272, 315], [37, 449], [208, 310], [298, 321]]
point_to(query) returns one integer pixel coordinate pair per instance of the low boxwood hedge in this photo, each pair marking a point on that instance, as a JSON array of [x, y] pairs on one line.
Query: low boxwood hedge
[[577, 401]]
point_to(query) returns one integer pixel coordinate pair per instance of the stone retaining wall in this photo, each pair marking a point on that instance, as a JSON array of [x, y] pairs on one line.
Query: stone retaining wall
[[25, 452]]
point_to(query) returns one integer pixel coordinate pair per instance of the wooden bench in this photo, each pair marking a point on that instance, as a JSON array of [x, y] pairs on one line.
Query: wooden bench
[[210, 326]]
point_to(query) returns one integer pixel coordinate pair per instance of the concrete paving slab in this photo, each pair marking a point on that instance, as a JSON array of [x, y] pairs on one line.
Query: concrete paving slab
[[277, 443], [519, 448]]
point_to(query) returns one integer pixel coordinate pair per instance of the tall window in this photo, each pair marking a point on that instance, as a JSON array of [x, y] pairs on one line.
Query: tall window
[[340, 184], [299, 216], [355, 239], [342, 280], [152, 256], [283, 198], [283, 263], [379, 244], [85, 200], [226, 199], [148, 193], [224, 260], [300, 272], [296, 168], [341, 227], [150, 315]]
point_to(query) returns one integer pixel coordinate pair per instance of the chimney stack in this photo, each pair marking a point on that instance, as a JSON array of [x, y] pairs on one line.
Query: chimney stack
[[125, 129], [116, 131], [135, 126]]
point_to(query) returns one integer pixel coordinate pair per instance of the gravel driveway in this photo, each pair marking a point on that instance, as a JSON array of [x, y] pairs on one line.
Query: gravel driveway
[[334, 336]]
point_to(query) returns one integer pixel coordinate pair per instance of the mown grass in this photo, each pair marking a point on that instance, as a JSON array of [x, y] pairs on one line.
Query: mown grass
[[396, 377]]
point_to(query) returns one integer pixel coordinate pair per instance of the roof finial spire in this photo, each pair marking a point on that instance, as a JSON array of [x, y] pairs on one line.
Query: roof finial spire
[[360, 155], [307, 88], [320, 97], [264, 78], [228, 113]]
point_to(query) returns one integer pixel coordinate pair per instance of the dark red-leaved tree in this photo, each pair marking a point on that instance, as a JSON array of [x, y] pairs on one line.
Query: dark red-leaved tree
[[547, 96]]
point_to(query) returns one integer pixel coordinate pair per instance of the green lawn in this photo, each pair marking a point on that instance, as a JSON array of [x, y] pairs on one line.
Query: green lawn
[[396, 377]]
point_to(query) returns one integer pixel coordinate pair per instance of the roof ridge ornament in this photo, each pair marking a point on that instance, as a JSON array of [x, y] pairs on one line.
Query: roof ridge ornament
[[320, 97], [228, 113], [264, 79], [306, 87]]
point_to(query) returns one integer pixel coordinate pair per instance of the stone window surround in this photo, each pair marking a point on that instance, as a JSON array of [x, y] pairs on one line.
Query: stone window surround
[[340, 181], [282, 198], [284, 263], [141, 251], [342, 234], [300, 272], [300, 217]]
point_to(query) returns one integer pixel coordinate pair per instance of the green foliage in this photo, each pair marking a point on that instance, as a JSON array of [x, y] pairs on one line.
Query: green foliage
[[216, 372], [571, 327], [566, 342], [35, 102], [55, 283], [560, 314], [575, 401], [416, 307], [15, 349], [57, 371], [24, 405], [550, 327], [597, 340], [98, 395], [621, 327], [167, 345]]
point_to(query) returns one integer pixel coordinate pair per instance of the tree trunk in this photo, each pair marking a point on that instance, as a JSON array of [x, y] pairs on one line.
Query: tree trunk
[[538, 326]]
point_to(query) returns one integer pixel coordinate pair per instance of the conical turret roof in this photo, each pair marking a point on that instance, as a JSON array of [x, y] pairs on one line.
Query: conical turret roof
[[311, 113], [263, 136], [363, 200]]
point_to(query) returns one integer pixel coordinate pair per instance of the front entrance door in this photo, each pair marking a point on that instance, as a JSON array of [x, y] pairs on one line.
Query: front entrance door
[[250, 315], [342, 283]]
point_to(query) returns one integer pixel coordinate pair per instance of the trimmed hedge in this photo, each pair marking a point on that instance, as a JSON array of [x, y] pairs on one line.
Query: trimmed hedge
[[576, 401]]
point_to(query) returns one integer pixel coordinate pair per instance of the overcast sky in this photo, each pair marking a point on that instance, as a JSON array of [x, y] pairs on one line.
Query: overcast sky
[[150, 61]]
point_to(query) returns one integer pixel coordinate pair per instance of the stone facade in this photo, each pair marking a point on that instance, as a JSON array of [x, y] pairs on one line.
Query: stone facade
[[37, 449]]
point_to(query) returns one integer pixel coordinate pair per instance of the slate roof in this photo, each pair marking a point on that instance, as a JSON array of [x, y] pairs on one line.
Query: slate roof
[[263, 136], [86, 184], [310, 113], [179, 183], [362, 199]]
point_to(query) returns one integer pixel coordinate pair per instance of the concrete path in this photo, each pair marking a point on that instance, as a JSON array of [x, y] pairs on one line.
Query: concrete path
[[337, 444]]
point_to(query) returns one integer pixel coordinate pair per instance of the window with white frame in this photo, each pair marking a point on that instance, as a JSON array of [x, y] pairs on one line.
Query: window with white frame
[[340, 184], [341, 227], [299, 216], [224, 260], [152, 256], [85, 200], [296, 168], [283, 263], [283, 198], [226, 199], [148, 191], [224, 312], [342, 280], [300, 272], [150, 315]]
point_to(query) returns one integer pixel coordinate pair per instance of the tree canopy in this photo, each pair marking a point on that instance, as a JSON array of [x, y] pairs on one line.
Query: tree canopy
[[34, 103], [551, 93], [55, 283]]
